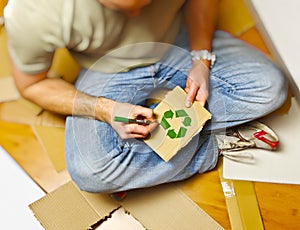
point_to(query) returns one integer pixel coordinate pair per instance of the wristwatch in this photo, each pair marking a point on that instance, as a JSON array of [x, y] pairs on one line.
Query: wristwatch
[[204, 55]]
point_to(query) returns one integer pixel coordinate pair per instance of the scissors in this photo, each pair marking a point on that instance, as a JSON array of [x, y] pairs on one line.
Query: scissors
[[239, 156]]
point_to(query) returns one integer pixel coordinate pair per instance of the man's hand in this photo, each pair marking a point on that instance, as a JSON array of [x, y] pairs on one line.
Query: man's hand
[[197, 84], [132, 130]]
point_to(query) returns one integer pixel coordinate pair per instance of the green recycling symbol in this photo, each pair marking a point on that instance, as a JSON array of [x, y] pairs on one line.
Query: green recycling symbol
[[186, 121]]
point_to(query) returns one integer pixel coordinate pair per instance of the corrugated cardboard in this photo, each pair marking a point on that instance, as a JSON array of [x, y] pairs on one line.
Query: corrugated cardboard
[[172, 111], [121, 219], [162, 207]]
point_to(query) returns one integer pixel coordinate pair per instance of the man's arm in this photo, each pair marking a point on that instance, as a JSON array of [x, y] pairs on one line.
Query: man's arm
[[62, 97], [59, 96], [200, 18]]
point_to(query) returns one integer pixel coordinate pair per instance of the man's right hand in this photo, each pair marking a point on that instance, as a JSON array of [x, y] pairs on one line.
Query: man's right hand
[[132, 130]]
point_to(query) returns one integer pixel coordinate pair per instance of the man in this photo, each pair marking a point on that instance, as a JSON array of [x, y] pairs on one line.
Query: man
[[128, 50]]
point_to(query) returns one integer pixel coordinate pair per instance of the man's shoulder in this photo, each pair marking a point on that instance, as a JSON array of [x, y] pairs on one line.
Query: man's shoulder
[[32, 11]]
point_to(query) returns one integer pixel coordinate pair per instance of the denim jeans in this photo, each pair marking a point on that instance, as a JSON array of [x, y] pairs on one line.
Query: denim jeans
[[244, 85]]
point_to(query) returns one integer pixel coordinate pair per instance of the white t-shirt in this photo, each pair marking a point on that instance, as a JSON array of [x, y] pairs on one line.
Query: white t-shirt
[[36, 28]]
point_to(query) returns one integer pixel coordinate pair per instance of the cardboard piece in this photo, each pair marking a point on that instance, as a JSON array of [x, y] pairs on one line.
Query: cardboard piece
[[52, 140], [234, 17], [8, 90], [178, 124], [64, 66], [21, 142], [161, 207], [24, 112], [5, 68], [242, 205], [280, 166], [121, 219]]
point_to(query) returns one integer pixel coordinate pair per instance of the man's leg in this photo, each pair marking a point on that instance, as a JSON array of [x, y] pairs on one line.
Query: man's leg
[[244, 84], [100, 161]]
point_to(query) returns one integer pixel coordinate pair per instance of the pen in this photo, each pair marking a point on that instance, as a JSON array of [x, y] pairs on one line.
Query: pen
[[131, 120]]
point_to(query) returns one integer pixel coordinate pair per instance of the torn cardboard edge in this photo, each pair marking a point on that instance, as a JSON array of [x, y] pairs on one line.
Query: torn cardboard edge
[[119, 219], [178, 124], [160, 207]]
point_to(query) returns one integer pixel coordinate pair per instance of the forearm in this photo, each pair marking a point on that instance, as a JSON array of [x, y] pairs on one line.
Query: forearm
[[200, 18], [62, 97], [59, 96]]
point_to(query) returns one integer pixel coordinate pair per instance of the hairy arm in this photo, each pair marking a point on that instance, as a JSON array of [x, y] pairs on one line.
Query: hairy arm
[[59, 96]]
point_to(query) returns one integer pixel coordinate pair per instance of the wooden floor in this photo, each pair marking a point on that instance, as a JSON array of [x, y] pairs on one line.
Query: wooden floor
[[279, 204]]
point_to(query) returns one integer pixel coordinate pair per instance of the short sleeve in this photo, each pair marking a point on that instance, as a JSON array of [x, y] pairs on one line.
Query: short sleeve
[[32, 40]]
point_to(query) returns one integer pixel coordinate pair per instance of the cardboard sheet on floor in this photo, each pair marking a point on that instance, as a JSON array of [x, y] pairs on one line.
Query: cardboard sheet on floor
[[120, 219], [161, 207], [234, 17], [178, 124], [8, 90], [52, 140], [22, 111], [241, 202], [281, 166], [21, 143]]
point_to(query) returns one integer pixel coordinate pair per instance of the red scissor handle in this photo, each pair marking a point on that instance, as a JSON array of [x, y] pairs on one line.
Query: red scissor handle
[[260, 136]]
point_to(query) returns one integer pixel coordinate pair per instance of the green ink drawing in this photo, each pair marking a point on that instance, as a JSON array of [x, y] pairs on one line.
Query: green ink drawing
[[185, 121], [181, 113]]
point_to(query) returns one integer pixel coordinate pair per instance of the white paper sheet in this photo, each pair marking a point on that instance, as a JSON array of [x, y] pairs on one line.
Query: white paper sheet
[[282, 166], [17, 191], [277, 21]]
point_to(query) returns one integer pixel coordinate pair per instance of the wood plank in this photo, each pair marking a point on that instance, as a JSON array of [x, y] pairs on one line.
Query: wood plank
[[206, 191], [20, 141], [279, 205]]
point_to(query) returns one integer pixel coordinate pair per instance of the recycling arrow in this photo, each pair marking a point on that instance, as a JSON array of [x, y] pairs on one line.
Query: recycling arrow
[[179, 114]]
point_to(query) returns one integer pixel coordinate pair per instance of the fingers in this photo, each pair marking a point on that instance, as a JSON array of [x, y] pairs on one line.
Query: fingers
[[146, 113], [192, 91], [202, 96], [197, 84], [134, 130], [195, 93], [137, 131]]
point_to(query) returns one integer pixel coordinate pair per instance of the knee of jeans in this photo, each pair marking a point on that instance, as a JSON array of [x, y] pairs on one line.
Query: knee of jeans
[[269, 92], [88, 181], [277, 89]]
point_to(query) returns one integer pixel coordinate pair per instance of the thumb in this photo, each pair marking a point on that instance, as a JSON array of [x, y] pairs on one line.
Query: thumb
[[192, 92]]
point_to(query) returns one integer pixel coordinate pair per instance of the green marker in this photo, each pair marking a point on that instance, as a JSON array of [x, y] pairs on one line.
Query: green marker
[[131, 120]]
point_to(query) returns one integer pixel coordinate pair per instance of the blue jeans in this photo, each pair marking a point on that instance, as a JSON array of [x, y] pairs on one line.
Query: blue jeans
[[244, 85]]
